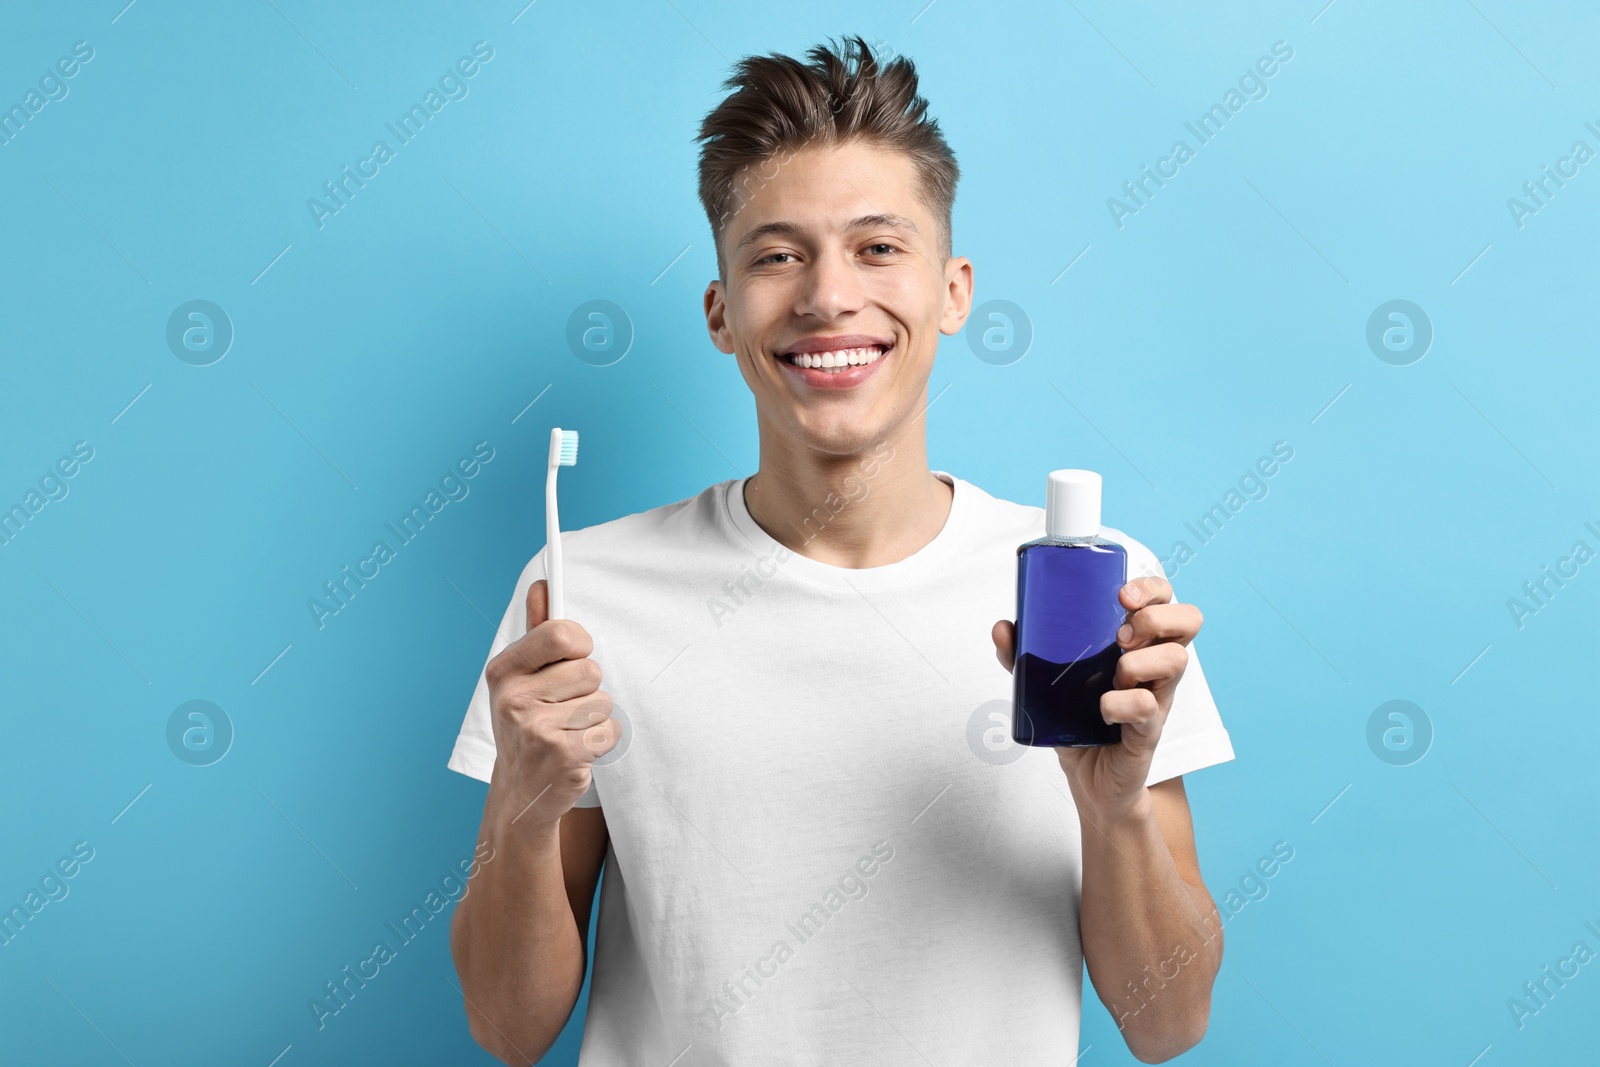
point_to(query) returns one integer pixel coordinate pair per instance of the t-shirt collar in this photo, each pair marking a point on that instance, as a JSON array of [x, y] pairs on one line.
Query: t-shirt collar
[[860, 579]]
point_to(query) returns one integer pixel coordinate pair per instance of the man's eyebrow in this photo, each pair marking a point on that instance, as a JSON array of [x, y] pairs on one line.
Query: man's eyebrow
[[789, 229]]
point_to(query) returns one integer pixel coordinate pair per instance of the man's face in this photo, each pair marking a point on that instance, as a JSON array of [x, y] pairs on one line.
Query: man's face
[[836, 258]]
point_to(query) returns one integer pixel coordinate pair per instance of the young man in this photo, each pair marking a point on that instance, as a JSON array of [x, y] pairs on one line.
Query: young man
[[808, 858]]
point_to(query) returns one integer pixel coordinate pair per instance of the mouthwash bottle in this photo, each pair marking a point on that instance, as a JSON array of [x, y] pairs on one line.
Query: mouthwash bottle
[[1068, 615]]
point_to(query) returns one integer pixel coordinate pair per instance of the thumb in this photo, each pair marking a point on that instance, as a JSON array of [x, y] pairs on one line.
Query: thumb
[[538, 605], [1005, 641]]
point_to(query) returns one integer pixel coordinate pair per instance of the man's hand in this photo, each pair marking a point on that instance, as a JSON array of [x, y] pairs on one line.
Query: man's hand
[[550, 719], [1107, 781]]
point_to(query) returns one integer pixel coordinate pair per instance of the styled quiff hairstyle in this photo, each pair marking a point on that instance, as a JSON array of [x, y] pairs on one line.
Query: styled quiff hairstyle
[[780, 105]]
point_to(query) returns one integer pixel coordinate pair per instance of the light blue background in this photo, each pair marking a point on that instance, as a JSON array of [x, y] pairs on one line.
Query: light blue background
[[1226, 315]]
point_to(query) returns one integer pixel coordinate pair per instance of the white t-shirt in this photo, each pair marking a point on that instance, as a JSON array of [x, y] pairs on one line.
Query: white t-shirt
[[824, 846]]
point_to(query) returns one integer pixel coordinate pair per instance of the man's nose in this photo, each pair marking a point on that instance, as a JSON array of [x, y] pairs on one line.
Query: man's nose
[[832, 287]]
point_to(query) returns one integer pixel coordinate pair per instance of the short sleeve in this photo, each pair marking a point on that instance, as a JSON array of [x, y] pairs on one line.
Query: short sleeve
[[1193, 736], [474, 749]]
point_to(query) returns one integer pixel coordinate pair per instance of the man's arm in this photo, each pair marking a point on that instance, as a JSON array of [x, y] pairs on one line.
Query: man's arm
[[1152, 938], [1146, 921], [520, 936]]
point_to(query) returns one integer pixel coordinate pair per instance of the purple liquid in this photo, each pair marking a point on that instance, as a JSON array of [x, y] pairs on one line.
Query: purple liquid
[[1067, 621]]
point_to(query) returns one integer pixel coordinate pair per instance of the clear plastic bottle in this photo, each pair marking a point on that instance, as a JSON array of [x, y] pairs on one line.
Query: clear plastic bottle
[[1068, 615]]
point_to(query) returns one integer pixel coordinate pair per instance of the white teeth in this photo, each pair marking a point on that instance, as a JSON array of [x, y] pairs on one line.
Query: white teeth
[[848, 357]]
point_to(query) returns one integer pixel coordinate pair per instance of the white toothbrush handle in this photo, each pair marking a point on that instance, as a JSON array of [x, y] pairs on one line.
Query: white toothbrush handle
[[552, 549]]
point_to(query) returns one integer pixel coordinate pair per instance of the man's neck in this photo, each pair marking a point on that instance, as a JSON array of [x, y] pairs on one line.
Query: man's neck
[[867, 510]]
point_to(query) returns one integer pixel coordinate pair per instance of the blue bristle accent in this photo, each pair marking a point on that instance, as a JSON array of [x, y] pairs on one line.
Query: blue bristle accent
[[569, 448]]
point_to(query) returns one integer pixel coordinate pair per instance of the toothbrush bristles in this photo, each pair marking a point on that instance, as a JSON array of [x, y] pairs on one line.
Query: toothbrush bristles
[[569, 448]]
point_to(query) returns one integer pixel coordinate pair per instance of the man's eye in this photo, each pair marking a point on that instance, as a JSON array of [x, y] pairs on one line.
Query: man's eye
[[885, 246], [769, 259]]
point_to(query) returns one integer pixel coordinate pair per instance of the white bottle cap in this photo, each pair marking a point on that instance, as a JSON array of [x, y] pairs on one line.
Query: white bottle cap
[[1072, 504]]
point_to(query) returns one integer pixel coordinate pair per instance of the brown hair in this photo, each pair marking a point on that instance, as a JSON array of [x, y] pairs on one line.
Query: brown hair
[[781, 105]]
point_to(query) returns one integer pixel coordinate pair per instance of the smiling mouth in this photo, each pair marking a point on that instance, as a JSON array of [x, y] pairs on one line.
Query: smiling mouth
[[836, 361]]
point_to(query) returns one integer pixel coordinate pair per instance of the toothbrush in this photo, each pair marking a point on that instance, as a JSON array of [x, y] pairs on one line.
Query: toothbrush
[[563, 453]]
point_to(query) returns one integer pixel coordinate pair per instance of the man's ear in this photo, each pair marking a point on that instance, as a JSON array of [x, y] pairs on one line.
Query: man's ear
[[958, 295], [717, 316]]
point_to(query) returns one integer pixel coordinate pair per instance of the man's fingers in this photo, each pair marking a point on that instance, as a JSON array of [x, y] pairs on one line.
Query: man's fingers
[[538, 603], [589, 729], [585, 713], [1131, 707], [1160, 622], [566, 695], [562, 639], [522, 655], [1005, 643], [549, 642], [567, 679], [1160, 664], [1145, 591]]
